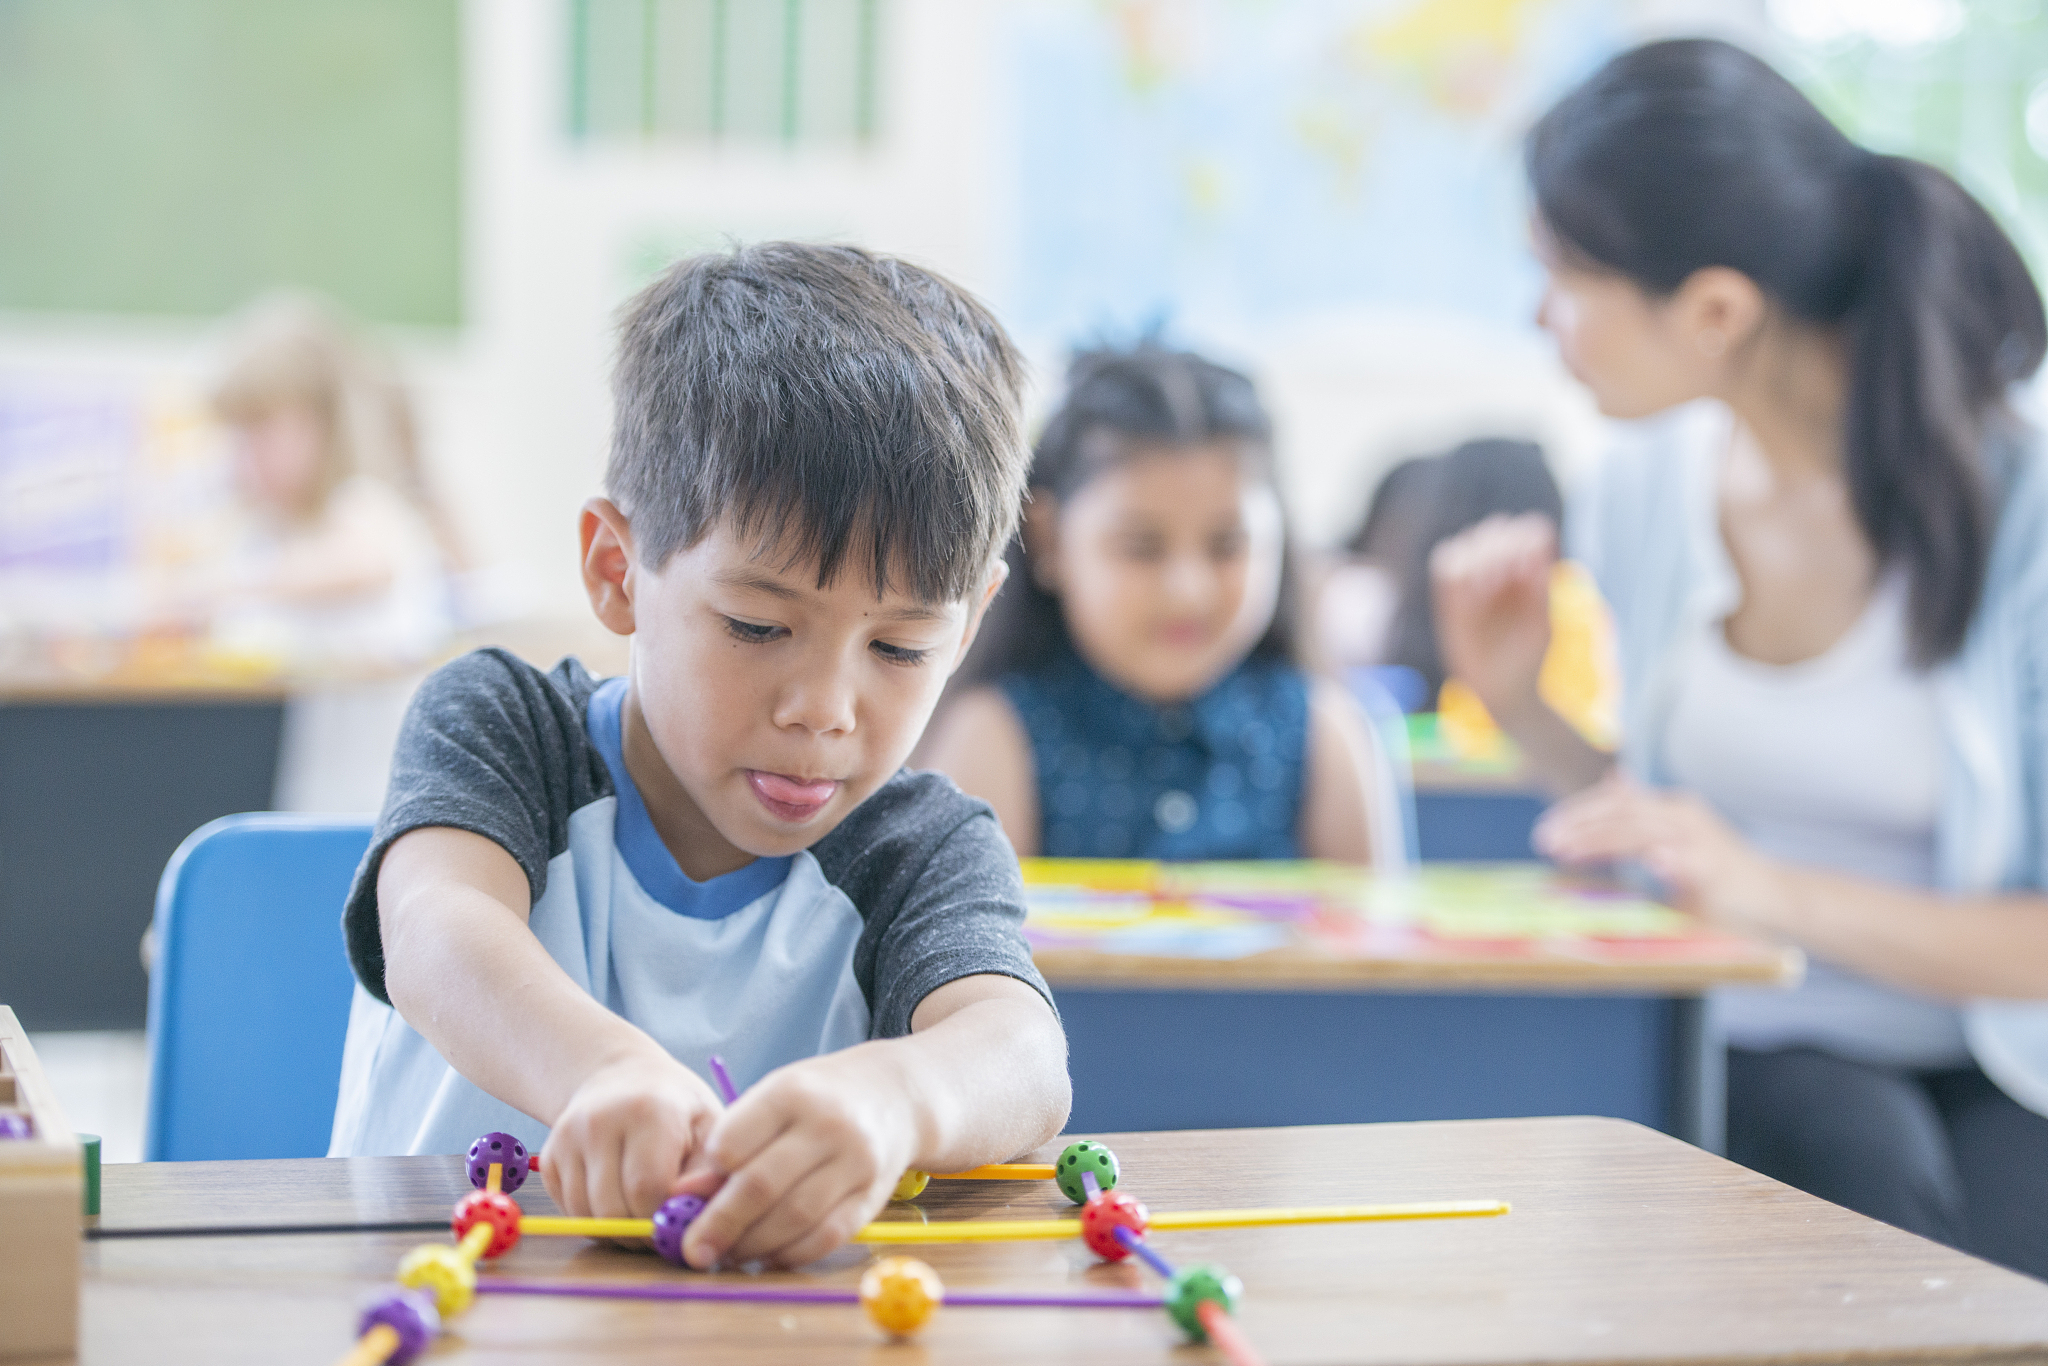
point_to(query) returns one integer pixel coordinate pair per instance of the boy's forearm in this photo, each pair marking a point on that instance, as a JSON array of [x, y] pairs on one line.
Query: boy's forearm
[[465, 971], [988, 1081]]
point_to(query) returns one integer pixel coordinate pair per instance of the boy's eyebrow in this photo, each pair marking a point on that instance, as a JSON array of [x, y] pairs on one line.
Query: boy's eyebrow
[[764, 583]]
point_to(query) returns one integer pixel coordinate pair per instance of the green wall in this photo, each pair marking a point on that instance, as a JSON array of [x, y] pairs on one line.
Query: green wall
[[178, 156]]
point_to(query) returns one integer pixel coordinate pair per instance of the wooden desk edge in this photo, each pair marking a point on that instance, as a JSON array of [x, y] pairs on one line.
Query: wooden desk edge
[[1284, 972], [87, 693]]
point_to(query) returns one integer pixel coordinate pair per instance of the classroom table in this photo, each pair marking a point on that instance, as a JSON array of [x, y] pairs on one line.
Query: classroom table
[[1623, 1246], [103, 781], [108, 769], [1298, 1036]]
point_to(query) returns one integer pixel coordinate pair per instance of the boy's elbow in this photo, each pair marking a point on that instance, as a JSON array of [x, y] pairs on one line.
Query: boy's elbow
[[1055, 1091]]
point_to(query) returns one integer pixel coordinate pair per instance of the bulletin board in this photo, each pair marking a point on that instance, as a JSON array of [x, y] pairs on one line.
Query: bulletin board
[[179, 156]]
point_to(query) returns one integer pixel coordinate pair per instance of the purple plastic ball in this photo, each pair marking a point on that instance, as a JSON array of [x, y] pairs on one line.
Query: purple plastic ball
[[16, 1126], [503, 1149], [409, 1313], [672, 1221]]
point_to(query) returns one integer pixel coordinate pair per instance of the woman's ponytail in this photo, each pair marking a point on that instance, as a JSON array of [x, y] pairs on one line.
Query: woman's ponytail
[[1692, 153], [1945, 318]]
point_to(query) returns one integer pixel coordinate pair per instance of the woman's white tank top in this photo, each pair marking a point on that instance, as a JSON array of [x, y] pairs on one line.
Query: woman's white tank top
[[1835, 762]]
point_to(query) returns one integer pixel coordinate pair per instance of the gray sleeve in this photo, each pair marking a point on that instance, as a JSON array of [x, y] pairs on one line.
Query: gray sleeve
[[491, 745], [938, 886]]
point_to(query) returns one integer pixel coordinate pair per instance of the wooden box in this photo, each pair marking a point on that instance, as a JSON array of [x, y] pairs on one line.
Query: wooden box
[[40, 1180]]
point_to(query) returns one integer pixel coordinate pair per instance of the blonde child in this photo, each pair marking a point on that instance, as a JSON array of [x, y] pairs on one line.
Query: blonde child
[[342, 558]]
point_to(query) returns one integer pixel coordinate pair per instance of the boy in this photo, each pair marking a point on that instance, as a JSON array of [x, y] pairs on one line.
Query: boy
[[579, 890]]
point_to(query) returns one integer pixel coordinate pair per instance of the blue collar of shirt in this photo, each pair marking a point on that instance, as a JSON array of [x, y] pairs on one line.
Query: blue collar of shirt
[[647, 858]]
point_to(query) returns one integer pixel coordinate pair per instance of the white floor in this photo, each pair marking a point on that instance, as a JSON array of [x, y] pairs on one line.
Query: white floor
[[102, 1081]]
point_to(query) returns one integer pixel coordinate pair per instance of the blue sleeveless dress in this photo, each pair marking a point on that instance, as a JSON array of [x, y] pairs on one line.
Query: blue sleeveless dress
[[1219, 777]]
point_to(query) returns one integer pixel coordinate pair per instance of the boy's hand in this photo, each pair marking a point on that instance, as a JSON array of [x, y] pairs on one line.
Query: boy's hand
[[621, 1142], [811, 1152]]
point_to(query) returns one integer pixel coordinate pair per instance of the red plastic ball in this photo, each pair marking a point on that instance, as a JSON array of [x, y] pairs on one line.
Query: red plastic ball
[[489, 1207], [1104, 1215]]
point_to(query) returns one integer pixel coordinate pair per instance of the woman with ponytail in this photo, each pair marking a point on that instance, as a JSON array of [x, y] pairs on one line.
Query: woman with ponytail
[[1827, 553]]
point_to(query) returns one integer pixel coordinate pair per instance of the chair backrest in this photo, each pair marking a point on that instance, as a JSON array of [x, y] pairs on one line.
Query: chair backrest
[[1397, 828], [249, 996]]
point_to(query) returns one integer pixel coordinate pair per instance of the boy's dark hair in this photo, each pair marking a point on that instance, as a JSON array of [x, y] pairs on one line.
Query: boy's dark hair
[[1120, 401], [835, 402]]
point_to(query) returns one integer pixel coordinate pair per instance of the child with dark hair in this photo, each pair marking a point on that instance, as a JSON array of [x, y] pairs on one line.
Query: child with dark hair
[[579, 890], [1136, 694]]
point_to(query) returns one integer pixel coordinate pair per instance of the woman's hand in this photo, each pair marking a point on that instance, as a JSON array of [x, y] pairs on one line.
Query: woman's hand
[[1491, 584], [1708, 868]]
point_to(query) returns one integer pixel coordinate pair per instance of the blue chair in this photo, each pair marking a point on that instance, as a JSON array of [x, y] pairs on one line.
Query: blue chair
[[1383, 711], [248, 1001]]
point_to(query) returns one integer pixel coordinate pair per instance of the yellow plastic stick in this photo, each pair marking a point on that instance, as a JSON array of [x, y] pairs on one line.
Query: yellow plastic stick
[[586, 1228], [476, 1241], [372, 1348], [1020, 1230], [495, 1182], [969, 1231], [1331, 1214], [1001, 1171]]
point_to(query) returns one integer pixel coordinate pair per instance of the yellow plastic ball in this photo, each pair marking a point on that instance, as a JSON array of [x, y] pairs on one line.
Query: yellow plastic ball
[[911, 1185], [900, 1294], [443, 1273]]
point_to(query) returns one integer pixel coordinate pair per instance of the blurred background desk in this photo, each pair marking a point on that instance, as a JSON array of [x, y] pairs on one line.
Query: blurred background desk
[[1302, 1035], [104, 778], [107, 769], [1465, 814]]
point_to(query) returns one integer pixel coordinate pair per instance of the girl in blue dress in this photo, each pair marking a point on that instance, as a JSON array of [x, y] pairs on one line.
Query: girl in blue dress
[[1134, 693]]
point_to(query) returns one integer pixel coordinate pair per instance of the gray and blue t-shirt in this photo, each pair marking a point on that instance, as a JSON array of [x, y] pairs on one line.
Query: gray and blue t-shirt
[[783, 959]]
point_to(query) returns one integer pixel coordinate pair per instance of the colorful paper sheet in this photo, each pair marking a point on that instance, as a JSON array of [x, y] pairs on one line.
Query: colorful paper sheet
[[1234, 910]]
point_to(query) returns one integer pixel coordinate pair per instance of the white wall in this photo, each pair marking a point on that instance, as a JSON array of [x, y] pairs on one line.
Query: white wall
[[514, 407], [560, 235]]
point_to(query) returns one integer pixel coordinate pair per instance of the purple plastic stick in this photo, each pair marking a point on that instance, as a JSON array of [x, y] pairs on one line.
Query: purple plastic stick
[[670, 1290], [1091, 1185], [1144, 1249], [724, 1079]]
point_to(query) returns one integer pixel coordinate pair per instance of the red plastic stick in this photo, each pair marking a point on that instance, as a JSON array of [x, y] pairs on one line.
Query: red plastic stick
[[1230, 1340]]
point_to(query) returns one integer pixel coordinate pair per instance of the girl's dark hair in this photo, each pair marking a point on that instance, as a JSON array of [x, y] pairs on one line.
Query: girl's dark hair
[[1118, 401], [1428, 499], [1693, 153]]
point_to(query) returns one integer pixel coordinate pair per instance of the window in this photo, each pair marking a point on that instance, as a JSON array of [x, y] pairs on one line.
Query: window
[[1959, 84], [799, 72]]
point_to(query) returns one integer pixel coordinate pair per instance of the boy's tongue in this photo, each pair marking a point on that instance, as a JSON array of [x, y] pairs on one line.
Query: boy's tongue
[[789, 791]]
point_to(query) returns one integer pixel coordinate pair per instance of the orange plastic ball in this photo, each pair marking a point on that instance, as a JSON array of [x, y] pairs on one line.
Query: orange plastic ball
[[489, 1207], [900, 1294]]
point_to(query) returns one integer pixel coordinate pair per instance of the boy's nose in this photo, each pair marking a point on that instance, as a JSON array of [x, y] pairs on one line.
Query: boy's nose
[[822, 703]]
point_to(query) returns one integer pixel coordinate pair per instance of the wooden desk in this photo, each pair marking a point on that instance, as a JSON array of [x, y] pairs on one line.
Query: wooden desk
[[1310, 1034], [1624, 1246]]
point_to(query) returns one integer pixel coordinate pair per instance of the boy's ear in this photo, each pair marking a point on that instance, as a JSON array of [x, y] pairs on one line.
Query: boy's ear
[[609, 568], [979, 612]]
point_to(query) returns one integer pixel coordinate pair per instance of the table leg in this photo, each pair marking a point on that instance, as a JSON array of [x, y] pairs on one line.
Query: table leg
[[1699, 1070]]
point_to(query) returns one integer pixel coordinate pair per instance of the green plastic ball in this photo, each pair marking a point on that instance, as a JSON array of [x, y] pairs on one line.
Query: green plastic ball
[[1190, 1286], [1085, 1156]]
